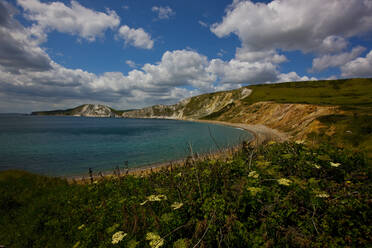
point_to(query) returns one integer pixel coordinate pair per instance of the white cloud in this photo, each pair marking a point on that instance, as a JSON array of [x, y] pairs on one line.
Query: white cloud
[[136, 37], [203, 24], [360, 67], [244, 54], [293, 77], [308, 26], [131, 63], [237, 72], [18, 49], [28, 75], [328, 60], [74, 19], [163, 12]]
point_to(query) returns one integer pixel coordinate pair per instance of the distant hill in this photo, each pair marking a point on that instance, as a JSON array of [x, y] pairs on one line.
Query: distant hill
[[86, 110], [340, 110]]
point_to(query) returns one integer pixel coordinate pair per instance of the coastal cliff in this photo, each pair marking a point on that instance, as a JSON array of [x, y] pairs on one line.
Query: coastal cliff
[[338, 108], [86, 110]]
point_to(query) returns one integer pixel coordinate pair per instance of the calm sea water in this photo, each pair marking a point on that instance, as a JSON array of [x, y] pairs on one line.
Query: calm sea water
[[62, 146]]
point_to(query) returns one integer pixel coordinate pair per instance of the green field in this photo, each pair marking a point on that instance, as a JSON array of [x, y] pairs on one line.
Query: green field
[[278, 195], [348, 93]]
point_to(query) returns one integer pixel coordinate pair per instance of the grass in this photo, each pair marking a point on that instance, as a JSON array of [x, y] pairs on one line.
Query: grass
[[235, 202], [348, 93]]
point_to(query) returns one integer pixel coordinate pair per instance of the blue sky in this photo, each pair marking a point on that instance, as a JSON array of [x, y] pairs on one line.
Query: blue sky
[[135, 53]]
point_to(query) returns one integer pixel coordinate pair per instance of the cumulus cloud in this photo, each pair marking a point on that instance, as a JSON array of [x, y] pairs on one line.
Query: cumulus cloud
[[308, 26], [328, 60], [29, 75], [359, 67], [18, 50], [236, 71], [131, 63], [163, 12], [136, 37], [293, 77], [203, 24], [74, 19]]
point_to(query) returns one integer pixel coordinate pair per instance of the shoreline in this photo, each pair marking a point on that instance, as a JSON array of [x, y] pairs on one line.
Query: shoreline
[[261, 134]]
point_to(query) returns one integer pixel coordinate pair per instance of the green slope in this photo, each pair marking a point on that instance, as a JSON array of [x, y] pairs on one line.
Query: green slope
[[349, 93], [239, 202]]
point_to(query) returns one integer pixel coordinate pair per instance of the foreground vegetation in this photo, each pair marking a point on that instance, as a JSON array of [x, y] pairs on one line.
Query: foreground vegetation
[[276, 195]]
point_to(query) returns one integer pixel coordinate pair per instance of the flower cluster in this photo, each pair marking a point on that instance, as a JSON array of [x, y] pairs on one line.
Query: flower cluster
[[155, 240], [118, 236], [152, 198], [253, 174], [284, 181], [322, 195], [176, 205], [335, 164]]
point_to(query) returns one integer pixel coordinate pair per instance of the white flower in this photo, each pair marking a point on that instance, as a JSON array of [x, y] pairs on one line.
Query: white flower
[[284, 181], [118, 236], [81, 227], [253, 174], [155, 240], [176, 205], [156, 197], [316, 166], [322, 195], [335, 164]]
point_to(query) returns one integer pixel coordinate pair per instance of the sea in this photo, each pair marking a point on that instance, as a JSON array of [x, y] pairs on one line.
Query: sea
[[69, 146]]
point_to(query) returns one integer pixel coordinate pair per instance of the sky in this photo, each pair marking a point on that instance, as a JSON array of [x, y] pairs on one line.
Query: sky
[[135, 53]]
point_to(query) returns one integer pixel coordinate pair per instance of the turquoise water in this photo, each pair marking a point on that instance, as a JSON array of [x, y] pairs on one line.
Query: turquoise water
[[62, 146]]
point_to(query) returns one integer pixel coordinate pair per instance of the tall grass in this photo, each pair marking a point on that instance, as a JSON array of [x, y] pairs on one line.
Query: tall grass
[[275, 195]]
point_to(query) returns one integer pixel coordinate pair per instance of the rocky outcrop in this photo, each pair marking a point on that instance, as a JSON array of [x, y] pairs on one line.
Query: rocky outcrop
[[86, 110], [192, 108], [295, 119]]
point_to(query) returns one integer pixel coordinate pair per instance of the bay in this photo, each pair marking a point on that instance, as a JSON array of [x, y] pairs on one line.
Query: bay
[[64, 146]]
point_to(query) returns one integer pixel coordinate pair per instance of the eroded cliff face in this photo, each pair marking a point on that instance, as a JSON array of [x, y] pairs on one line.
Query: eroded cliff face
[[192, 108], [297, 120], [94, 110]]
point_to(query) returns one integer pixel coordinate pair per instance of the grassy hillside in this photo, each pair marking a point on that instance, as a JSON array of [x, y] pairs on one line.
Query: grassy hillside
[[279, 195], [349, 93], [351, 129]]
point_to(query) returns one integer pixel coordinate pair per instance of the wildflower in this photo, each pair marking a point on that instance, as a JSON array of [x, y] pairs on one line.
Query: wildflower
[[176, 205], [284, 181], [155, 240], [299, 142], [322, 195], [335, 164], [272, 142], [81, 227], [118, 236], [253, 174], [154, 198], [316, 166], [254, 190]]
